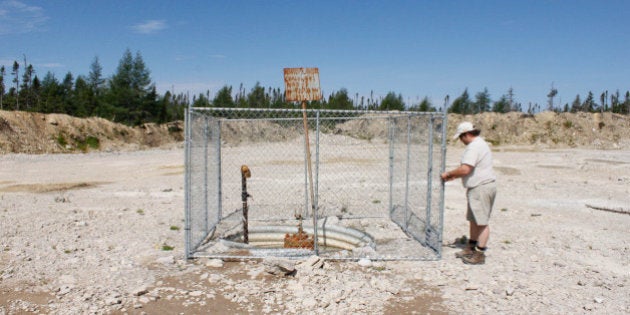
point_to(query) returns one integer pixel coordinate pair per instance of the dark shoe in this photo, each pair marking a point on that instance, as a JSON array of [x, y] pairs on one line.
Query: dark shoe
[[477, 258], [467, 251]]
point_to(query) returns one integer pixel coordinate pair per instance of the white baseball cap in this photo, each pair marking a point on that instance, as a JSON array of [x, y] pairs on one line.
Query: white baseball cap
[[464, 128]]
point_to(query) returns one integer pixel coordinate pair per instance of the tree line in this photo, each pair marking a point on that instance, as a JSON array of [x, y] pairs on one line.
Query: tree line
[[129, 96], [614, 102]]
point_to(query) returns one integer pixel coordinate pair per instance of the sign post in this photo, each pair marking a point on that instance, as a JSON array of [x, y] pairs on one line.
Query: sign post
[[302, 85]]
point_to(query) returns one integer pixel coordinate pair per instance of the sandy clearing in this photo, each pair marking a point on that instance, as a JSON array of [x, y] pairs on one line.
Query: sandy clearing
[[95, 244]]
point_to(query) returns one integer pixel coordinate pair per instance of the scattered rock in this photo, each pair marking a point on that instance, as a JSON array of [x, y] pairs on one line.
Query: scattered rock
[[61, 199], [111, 257], [278, 266], [509, 291], [214, 263], [140, 291], [166, 260], [63, 290], [364, 262], [113, 301], [314, 261], [195, 293]]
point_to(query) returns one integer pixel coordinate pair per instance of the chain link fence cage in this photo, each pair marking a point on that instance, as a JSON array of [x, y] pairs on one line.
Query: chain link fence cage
[[375, 192]]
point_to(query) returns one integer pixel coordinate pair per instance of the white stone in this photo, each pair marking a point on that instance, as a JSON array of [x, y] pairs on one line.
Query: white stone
[[364, 262], [113, 301], [276, 266], [166, 260], [214, 263], [195, 293], [309, 303]]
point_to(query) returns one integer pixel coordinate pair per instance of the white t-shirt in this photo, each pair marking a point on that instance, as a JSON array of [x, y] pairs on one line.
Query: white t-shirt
[[479, 156]]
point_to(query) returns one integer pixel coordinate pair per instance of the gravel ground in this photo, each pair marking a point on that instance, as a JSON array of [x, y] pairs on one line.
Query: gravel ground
[[103, 233]]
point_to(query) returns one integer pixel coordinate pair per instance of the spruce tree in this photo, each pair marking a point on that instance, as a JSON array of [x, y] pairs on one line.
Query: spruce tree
[[2, 87], [223, 98]]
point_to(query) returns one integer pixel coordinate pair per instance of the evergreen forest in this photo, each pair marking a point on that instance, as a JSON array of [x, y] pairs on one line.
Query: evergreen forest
[[130, 97]]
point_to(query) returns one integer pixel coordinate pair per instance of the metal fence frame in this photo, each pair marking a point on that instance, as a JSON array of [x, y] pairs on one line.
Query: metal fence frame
[[204, 213]]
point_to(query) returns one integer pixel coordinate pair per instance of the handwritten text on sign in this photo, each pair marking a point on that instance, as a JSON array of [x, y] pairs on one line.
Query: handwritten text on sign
[[302, 84]]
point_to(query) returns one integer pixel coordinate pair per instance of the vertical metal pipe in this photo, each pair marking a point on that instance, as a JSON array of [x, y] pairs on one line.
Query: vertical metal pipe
[[308, 157], [407, 172], [427, 228], [219, 168], [187, 204], [205, 176], [442, 168], [305, 210], [316, 195], [390, 134]]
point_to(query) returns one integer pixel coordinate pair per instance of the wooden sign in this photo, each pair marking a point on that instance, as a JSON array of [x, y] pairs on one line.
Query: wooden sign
[[302, 84]]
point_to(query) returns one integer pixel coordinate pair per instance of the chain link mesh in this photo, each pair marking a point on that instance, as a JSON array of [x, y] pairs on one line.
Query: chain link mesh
[[376, 182]]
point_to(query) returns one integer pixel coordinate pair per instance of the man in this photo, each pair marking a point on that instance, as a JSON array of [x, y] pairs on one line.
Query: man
[[478, 178]]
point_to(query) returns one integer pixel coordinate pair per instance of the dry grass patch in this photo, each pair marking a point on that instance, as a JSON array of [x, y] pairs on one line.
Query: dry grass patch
[[172, 170], [507, 170], [610, 162], [45, 188]]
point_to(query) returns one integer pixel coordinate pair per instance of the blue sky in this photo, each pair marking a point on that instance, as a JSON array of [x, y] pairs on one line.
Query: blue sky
[[415, 48]]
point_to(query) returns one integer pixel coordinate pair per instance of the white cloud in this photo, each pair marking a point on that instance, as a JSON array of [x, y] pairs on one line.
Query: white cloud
[[183, 57], [150, 26], [51, 65], [18, 18]]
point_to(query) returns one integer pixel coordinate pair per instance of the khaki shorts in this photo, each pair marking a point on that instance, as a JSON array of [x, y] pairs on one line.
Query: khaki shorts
[[480, 202]]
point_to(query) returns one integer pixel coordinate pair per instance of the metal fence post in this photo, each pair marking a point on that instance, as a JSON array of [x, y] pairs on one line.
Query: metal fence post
[[187, 166], [205, 174], [391, 137], [427, 227], [407, 172], [316, 185], [217, 135], [442, 169]]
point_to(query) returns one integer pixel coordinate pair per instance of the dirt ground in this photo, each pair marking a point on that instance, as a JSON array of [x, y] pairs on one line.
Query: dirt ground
[[102, 232], [86, 233]]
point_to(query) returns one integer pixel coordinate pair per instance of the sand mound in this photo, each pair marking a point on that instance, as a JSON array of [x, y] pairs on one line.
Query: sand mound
[[35, 133]]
